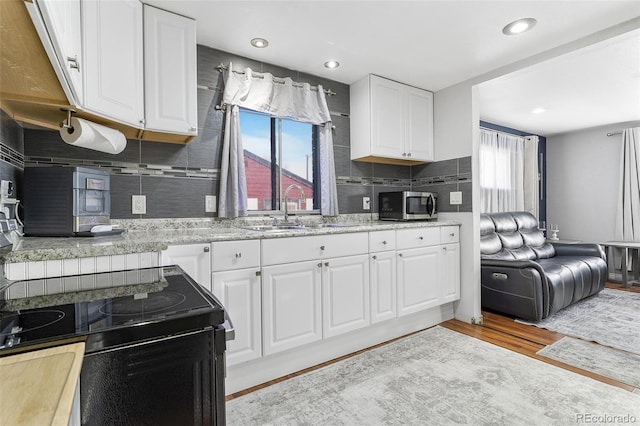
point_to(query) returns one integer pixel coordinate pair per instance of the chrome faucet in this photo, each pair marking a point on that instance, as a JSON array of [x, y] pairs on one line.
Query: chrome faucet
[[286, 199]]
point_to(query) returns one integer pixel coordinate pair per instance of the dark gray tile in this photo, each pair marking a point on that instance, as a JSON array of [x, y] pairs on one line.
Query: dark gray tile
[[437, 168], [278, 71], [342, 161], [164, 154], [342, 130], [361, 169], [11, 134], [122, 188], [177, 197], [467, 196], [209, 59], [391, 171], [350, 198], [49, 144], [204, 150], [209, 115], [464, 165]]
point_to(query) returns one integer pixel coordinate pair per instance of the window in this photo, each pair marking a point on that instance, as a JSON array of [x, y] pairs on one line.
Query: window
[[269, 142]]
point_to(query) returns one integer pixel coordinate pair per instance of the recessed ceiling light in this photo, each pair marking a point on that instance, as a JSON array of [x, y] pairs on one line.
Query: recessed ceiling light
[[538, 110], [519, 26], [331, 64], [259, 42]]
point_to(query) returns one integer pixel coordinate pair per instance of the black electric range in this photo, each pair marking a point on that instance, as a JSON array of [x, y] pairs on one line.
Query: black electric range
[[161, 335]]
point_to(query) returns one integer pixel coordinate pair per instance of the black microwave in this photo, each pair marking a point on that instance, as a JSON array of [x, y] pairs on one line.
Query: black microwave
[[407, 205]]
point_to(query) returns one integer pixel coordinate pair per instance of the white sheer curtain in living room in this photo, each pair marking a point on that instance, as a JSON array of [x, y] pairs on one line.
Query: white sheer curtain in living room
[[508, 172], [627, 224]]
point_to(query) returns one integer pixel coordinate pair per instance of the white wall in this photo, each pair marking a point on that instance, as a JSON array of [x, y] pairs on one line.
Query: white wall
[[583, 172], [455, 126]]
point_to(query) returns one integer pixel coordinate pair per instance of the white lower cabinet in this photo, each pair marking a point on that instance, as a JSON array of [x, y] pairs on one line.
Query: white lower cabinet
[[382, 267], [291, 305], [194, 259], [450, 272], [345, 295], [418, 279], [240, 293]]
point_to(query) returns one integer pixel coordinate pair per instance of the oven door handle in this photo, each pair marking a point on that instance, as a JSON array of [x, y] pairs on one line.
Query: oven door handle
[[229, 330]]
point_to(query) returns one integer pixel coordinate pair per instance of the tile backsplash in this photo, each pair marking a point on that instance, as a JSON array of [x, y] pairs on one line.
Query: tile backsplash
[[175, 178]]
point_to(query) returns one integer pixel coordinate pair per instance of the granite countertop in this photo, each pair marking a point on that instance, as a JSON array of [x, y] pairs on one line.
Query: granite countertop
[[156, 235]]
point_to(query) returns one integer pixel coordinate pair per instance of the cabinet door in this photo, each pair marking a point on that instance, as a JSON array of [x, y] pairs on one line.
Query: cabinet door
[[387, 122], [291, 305], [419, 124], [418, 282], [382, 267], [239, 292], [170, 72], [112, 36], [450, 272], [345, 294], [195, 259], [63, 22]]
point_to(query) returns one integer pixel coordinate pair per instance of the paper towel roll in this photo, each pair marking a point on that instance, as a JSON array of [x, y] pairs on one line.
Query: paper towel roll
[[90, 135]]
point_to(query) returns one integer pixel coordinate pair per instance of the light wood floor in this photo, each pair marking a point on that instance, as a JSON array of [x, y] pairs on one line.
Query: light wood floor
[[499, 330]]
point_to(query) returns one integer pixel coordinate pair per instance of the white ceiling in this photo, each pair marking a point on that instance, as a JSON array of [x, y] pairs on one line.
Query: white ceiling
[[436, 44]]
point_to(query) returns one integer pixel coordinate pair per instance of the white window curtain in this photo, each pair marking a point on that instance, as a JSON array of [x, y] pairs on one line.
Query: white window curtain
[[280, 98], [508, 172], [627, 224]]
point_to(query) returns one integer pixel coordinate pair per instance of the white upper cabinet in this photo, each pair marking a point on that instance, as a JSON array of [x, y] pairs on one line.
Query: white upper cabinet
[[170, 72], [390, 122], [64, 20], [112, 37]]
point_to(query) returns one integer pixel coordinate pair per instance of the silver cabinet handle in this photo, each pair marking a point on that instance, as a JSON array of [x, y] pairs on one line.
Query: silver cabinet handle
[[238, 255], [408, 154], [326, 263], [421, 238], [452, 234], [73, 63], [384, 242], [192, 129], [321, 247], [444, 248], [400, 254], [374, 257], [258, 273], [207, 249], [320, 265]]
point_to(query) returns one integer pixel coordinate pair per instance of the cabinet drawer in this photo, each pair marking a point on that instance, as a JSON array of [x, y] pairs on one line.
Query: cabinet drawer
[[382, 241], [417, 237], [298, 249], [229, 255], [449, 234]]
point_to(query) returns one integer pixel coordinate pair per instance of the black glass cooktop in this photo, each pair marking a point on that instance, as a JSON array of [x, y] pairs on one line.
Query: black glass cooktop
[[171, 303]]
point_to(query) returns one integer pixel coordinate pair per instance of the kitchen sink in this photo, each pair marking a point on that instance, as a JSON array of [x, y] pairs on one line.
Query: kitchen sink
[[292, 227], [273, 228]]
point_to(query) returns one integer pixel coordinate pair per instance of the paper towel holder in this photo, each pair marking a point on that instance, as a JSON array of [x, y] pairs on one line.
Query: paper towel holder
[[67, 124]]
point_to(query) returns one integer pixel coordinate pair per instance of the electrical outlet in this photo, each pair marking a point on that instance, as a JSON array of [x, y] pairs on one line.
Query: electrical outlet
[[138, 204], [366, 203], [209, 203], [455, 197]]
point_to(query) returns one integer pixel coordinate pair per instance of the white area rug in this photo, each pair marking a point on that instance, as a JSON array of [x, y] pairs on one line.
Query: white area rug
[[611, 318], [616, 364], [435, 377]]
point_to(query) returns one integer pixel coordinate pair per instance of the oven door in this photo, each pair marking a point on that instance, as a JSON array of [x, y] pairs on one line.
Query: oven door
[[176, 380]]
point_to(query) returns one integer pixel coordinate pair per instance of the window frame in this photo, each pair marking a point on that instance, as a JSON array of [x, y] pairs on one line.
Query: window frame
[[277, 192]]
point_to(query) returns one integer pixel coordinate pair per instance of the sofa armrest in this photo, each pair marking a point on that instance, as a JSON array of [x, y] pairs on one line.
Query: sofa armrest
[[584, 249], [514, 287]]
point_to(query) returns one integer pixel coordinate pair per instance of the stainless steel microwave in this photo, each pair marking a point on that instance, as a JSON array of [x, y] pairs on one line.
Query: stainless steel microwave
[[407, 205]]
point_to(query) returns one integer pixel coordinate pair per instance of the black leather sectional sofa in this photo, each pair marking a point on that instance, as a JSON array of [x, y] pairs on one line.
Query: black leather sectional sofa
[[526, 277]]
